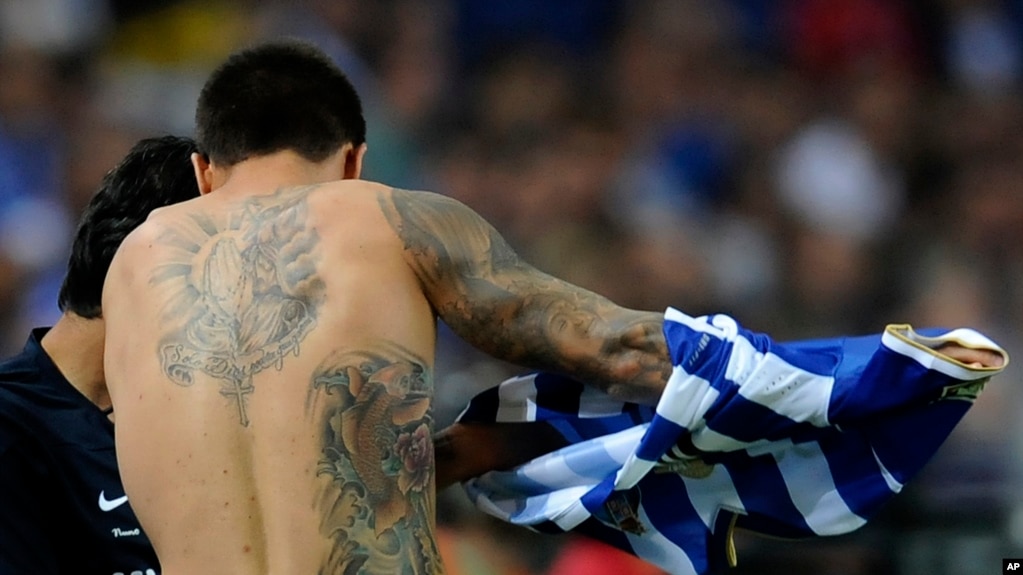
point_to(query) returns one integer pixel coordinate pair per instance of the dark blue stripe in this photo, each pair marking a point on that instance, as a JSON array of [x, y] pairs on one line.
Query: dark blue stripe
[[556, 396], [907, 440], [764, 495], [772, 526], [592, 427], [737, 417], [483, 407], [821, 356], [856, 474], [567, 429], [639, 414], [593, 500], [667, 504], [680, 339], [659, 437], [699, 354], [888, 381]]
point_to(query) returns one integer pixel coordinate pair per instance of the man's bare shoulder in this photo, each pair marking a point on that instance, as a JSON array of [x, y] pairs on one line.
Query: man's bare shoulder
[[143, 238], [357, 191], [150, 234], [354, 187], [350, 194], [130, 264], [422, 216], [411, 216]]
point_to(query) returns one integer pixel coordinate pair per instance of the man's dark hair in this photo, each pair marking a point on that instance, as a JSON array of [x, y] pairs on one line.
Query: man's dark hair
[[156, 172], [280, 95]]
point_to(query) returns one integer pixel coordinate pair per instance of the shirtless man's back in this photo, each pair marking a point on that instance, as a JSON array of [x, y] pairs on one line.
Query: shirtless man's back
[[295, 436], [270, 345]]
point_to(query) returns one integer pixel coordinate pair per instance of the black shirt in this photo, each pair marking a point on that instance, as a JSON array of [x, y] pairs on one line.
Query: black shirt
[[62, 505]]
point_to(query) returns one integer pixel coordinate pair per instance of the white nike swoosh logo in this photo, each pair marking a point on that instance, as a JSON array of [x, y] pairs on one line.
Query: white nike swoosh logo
[[111, 504]]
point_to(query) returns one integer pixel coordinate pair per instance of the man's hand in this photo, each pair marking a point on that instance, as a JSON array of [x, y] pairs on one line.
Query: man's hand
[[976, 358], [467, 450]]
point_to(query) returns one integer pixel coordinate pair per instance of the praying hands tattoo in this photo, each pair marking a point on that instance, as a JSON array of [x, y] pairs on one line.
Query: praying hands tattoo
[[248, 290]]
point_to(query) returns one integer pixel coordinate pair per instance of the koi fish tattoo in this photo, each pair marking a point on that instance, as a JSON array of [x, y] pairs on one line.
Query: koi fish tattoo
[[377, 462]]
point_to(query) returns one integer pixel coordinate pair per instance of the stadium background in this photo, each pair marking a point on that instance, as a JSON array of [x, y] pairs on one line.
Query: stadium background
[[813, 167]]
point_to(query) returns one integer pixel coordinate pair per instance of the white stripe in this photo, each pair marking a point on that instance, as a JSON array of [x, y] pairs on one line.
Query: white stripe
[[591, 460], [562, 506], [698, 324], [551, 470], [632, 471], [621, 444], [686, 398], [774, 383], [709, 494], [502, 509], [573, 515], [970, 338], [764, 447], [706, 439], [894, 484], [553, 505], [655, 548], [727, 325], [517, 399], [904, 341], [812, 489], [488, 506]]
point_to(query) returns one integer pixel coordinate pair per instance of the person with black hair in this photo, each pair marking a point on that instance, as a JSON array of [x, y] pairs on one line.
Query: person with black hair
[[62, 506], [270, 345]]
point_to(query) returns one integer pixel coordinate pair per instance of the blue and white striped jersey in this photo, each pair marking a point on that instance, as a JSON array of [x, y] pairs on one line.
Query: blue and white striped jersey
[[785, 439]]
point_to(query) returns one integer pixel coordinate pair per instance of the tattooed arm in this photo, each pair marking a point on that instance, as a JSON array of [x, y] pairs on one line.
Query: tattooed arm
[[500, 304]]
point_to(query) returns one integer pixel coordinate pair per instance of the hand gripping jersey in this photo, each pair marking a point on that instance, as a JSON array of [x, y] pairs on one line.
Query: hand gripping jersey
[[784, 439], [62, 505]]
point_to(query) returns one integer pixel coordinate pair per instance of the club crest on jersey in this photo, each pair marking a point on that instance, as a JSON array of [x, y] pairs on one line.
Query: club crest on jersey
[[621, 510]]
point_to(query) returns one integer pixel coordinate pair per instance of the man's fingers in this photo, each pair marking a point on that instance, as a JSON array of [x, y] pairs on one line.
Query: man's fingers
[[973, 357]]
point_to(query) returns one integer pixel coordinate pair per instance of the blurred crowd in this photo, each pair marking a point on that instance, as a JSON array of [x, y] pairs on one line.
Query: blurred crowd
[[812, 167]]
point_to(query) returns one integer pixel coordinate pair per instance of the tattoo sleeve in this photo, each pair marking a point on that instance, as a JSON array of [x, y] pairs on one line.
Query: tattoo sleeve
[[497, 302]]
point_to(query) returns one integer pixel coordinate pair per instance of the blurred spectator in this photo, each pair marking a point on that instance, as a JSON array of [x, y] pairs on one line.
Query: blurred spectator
[[34, 221], [54, 26], [156, 59], [580, 27], [828, 37], [983, 50]]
